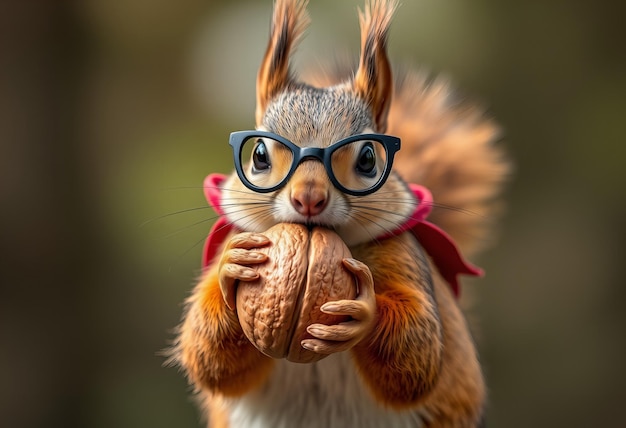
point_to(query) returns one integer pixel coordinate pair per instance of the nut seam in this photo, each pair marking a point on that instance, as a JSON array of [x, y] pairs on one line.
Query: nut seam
[[298, 308]]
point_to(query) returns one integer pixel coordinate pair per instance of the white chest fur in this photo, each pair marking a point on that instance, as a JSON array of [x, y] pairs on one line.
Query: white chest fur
[[328, 393]]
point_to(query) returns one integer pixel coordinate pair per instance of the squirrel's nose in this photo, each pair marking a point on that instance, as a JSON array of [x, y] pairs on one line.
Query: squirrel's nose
[[309, 201]]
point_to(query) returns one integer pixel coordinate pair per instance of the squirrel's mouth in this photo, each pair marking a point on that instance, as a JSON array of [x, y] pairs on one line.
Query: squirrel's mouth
[[324, 219], [310, 225]]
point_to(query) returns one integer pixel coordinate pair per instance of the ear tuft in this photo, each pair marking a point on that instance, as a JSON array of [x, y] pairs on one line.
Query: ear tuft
[[373, 80], [289, 21]]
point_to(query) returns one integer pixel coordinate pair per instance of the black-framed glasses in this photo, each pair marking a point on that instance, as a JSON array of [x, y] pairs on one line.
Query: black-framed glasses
[[357, 165]]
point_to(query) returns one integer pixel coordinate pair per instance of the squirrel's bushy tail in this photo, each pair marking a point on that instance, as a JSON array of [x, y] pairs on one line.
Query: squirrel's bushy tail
[[449, 146]]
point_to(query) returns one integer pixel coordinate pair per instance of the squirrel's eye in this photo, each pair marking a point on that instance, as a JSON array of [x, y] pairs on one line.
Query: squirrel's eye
[[366, 162], [260, 157]]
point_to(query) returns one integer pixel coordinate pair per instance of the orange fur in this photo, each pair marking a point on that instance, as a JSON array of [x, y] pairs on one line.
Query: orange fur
[[459, 396], [400, 362], [421, 351], [216, 413], [235, 365]]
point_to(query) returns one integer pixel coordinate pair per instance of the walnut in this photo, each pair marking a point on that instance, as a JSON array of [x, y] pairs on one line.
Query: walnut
[[304, 270]]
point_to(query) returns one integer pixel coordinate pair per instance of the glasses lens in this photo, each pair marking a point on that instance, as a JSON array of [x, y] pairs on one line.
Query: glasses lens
[[358, 166], [265, 161]]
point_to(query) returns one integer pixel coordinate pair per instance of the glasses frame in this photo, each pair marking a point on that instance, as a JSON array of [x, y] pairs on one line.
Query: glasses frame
[[390, 143]]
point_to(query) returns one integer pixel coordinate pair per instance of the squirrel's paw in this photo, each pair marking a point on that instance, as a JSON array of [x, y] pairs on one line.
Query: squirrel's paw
[[235, 261], [340, 337]]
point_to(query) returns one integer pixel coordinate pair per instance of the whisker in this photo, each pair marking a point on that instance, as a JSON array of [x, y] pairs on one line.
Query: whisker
[[258, 215], [377, 214], [245, 192], [360, 220], [186, 210], [235, 202], [190, 226], [378, 209], [169, 188], [184, 253], [236, 209], [456, 209], [388, 217], [432, 204]]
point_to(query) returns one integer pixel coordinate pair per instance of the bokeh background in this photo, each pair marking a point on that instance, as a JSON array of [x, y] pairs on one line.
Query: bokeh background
[[112, 112]]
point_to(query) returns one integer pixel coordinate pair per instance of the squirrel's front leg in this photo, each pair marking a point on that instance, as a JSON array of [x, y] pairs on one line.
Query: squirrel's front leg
[[211, 346], [395, 333], [401, 359]]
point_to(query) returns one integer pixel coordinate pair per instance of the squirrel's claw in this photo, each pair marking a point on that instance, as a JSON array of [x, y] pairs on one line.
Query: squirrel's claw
[[328, 339], [237, 256]]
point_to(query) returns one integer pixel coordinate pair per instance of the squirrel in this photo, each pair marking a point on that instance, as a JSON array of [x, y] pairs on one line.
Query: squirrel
[[406, 357]]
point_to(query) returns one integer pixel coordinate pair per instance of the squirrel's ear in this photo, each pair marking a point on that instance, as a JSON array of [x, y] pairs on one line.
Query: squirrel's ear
[[373, 80], [289, 21]]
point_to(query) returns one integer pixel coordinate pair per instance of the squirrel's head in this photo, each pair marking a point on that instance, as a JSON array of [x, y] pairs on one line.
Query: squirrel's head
[[351, 190]]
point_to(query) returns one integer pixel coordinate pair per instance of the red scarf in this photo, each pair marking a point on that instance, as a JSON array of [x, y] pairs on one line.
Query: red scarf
[[437, 243]]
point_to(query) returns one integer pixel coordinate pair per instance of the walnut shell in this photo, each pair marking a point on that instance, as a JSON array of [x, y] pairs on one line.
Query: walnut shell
[[303, 271]]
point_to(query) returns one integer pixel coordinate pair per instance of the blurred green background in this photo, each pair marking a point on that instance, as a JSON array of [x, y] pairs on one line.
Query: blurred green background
[[112, 113]]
